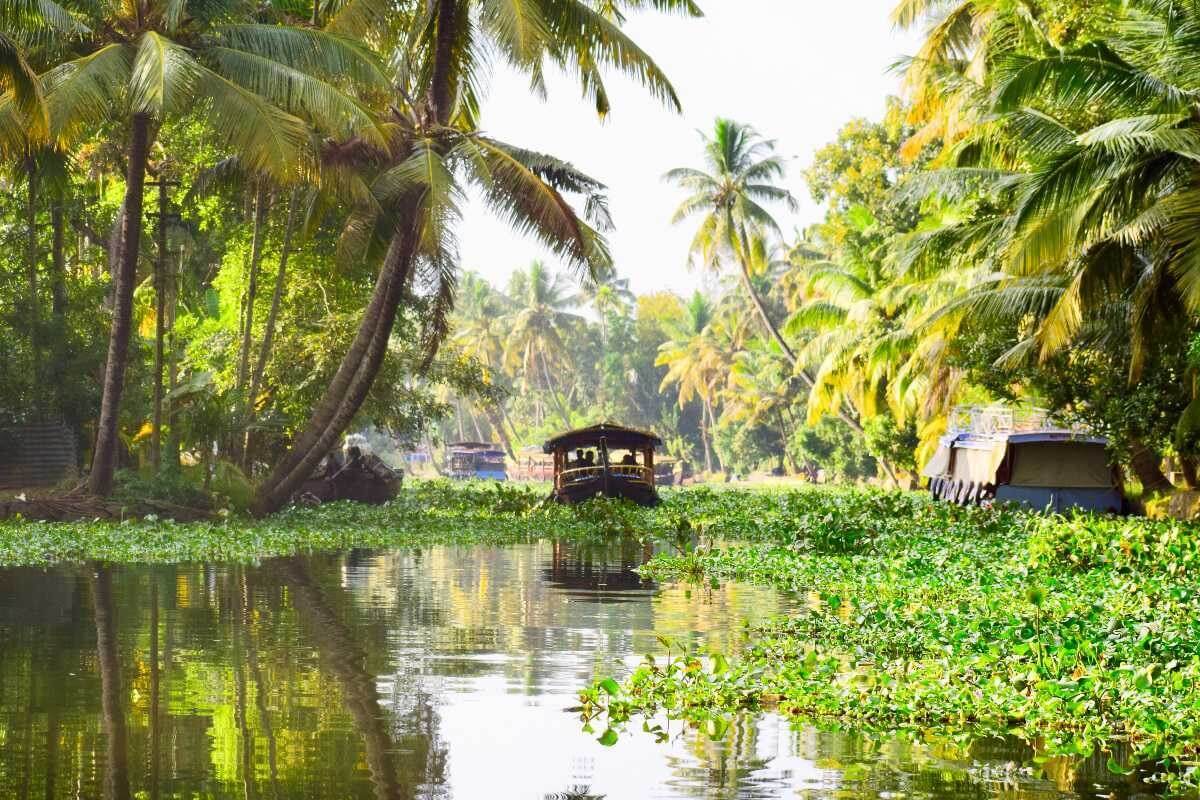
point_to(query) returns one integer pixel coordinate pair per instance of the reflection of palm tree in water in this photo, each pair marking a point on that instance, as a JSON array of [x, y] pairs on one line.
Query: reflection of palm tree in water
[[575, 793], [116, 767], [341, 654], [244, 616]]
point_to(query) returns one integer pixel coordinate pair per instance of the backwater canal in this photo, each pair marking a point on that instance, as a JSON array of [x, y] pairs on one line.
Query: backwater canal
[[443, 673]]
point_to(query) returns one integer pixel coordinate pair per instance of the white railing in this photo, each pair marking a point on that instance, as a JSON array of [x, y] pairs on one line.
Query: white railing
[[994, 420]]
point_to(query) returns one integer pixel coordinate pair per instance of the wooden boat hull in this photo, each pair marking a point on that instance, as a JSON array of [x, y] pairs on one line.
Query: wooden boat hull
[[581, 490]]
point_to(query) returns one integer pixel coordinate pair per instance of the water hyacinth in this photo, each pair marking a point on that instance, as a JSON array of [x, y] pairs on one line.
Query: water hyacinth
[[1078, 633]]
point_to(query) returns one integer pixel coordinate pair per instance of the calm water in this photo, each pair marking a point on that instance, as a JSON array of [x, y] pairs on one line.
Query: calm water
[[407, 674]]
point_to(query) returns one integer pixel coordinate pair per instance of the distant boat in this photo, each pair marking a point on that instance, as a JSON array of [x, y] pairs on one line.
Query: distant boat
[[484, 460], [1001, 455], [604, 460]]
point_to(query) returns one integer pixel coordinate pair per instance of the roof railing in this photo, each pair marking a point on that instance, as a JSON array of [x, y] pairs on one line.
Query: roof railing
[[1000, 420]]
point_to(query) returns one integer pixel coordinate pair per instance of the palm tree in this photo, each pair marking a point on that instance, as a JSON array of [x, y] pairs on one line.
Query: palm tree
[[696, 360], [482, 333], [260, 86], [1102, 223], [742, 170], [435, 143], [758, 392], [540, 329], [605, 295]]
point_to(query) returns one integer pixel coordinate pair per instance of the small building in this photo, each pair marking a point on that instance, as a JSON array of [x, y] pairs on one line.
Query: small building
[[998, 455], [484, 460], [604, 460]]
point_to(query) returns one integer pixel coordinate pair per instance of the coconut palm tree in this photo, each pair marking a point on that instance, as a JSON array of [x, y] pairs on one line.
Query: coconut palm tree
[[606, 295], [696, 357], [1101, 223], [742, 169], [481, 331], [540, 329], [261, 86], [435, 144]]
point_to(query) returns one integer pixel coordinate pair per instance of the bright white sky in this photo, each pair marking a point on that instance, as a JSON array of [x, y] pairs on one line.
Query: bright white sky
[[797, 70]]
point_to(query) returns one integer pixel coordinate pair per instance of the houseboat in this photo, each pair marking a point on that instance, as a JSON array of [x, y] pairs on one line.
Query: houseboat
[[483, 460], [604, 460], [1001, 455]]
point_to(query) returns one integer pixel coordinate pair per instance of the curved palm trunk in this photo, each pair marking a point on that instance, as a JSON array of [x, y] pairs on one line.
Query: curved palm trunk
[[773, 331], [344, 658], [1147, 466], [124, 271], [497, 423], [350, 385], [558, 403], [268, 339], [356, 373]]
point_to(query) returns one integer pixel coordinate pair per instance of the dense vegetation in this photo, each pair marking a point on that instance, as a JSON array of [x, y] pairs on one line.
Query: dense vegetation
[[229, 238], [1073, 633]]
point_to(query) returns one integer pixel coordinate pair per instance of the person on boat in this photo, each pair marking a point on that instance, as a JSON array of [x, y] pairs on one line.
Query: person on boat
[[589, 459], [629, 459], [578, 462]]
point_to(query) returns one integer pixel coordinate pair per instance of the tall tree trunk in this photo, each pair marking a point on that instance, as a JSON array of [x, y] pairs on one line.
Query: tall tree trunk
[[497, 423], [33, 315], [784, 438], [558, 403], [247, 327], [708, 465], [116, 767], [160, 312], [1190, 467], [773, 331], [712, 427], [348, 390], [173, 279], [58, 299], [58, 263], [104, 456], [478, 429], [268, 338], [1147, 466]]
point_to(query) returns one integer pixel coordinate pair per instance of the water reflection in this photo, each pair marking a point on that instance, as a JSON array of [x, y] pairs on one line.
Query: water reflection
[[409, 674]]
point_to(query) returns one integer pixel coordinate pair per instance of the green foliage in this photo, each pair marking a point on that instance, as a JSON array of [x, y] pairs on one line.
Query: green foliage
[[1078, 632], [169, 487]]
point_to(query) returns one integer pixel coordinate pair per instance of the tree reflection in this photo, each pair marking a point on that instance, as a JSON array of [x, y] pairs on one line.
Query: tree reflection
[[345, 659], [112, 710]]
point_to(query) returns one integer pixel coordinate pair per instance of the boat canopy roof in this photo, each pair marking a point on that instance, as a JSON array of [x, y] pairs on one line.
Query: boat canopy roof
[[616, 436], [473, 446], [1041, 458]]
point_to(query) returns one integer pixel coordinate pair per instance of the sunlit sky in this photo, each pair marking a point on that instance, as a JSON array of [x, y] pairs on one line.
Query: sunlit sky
[[797, 70]]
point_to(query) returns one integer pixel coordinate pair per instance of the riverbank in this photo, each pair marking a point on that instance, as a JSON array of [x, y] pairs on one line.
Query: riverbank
[[1074, 634], [425, 513]]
